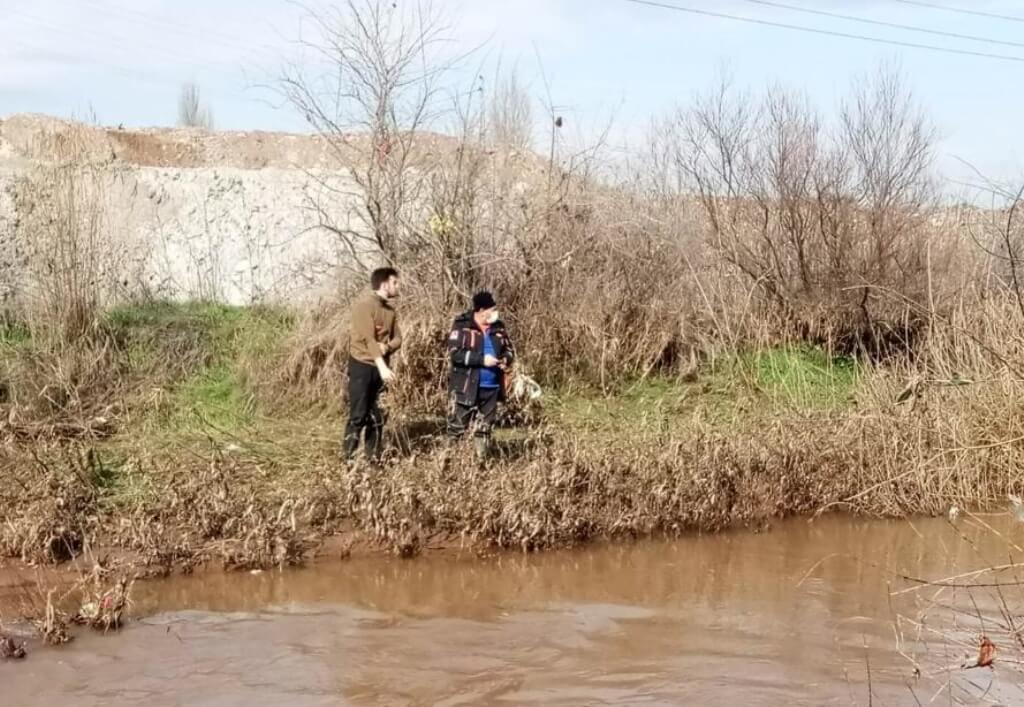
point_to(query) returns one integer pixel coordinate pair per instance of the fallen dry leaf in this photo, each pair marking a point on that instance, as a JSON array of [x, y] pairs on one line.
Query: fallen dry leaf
[[986, 653]]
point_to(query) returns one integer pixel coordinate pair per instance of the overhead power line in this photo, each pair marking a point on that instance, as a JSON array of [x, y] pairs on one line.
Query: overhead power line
[[882, 23], [116, 43], [961, 11], [126, 72], [165, 26], [829, 33]]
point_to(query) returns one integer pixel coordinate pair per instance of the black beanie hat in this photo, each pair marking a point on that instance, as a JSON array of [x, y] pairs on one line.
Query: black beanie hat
[[483, 300]]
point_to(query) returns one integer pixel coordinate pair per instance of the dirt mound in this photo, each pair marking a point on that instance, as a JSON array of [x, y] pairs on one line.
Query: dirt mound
[[34, 137], [231, 216], [30, 137]]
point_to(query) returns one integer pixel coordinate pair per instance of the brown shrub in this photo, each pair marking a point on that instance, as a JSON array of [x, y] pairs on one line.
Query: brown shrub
[[63, 389], [838, 228], [49, 506]]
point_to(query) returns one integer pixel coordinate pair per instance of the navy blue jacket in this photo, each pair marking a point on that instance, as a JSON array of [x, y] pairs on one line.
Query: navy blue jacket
[[466, 355]]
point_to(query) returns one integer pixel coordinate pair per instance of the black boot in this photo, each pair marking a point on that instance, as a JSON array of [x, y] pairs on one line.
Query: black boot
[[482, 448], [349, 447], [374, 444]]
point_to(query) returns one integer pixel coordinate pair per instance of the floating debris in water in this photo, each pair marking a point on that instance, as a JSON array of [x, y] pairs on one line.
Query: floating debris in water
[[1017, 506], [106, 612], [11, 650], [986, 655], [52, 627]]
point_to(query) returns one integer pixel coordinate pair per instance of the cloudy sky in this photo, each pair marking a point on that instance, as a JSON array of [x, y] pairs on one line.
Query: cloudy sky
[[605, 62]]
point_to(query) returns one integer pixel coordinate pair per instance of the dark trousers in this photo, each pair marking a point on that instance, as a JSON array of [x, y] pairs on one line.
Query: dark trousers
[[479, 416], [364, 386]]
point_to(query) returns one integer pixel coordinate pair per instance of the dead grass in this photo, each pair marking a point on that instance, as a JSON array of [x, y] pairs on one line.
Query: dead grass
[[52, 626], [237, 512], [696, 381], [231, 462], [96, 596], [216, 471], [255, 502], [50, 505]]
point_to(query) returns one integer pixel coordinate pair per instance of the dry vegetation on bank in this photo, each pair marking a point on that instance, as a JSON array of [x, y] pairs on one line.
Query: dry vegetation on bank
[[769, 314]]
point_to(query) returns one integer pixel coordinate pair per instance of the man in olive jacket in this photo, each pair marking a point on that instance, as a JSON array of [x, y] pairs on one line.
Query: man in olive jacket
[[481, 354], [374, 336]]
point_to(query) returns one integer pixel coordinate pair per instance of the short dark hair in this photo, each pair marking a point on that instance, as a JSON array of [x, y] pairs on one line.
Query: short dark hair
[[381, 275]]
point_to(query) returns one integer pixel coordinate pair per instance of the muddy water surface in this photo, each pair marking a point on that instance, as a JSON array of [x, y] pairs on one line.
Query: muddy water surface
[[791, 616]]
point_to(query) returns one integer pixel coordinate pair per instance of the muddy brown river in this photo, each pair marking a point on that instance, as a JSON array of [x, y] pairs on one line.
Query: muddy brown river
[[802, 614]]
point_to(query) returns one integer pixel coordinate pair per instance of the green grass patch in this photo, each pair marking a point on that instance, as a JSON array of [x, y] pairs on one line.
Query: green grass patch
[[198, 354], [219, 322], [214, 397], [158, 314], [14, 333], [652, 404], [804, 377], [223, 331], [15, 338], [730, 391]]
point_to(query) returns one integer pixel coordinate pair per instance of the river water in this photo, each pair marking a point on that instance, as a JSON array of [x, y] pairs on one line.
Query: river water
[[800, 614]]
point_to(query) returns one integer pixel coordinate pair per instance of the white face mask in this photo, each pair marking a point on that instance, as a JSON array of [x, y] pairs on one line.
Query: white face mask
[[492, 317]]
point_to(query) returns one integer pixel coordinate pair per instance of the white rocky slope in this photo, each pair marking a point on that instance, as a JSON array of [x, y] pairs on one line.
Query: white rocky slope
[[192, 214]]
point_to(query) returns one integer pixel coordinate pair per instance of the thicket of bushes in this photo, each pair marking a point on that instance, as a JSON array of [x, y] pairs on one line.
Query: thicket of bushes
[[751, 223]]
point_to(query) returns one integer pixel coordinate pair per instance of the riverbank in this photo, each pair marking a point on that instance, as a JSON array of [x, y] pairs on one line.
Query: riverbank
[[183, 435], [173, 439]]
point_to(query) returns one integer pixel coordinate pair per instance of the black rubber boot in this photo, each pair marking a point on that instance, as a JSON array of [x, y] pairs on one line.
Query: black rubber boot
[[482, 448]]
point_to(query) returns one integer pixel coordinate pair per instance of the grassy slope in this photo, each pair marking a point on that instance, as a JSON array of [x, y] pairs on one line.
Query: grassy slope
[[735, 392], [199, 355], [206, 459], [208, 392], [192, 384]]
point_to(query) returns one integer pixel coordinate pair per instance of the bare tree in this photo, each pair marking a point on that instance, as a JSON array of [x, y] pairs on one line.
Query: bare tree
[[890, 145], [827, 223], [510, 116], [998, 232], [191, 111], [378, 92]]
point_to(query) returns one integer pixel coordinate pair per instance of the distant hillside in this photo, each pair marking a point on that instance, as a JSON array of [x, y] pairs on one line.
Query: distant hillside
[[233, 216]]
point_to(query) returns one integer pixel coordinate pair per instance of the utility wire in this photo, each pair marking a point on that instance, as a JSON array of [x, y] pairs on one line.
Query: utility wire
[[115, 42], [960, 10], [126, 72], [110, 41], [882, 23], [169, 26], [829, 33]]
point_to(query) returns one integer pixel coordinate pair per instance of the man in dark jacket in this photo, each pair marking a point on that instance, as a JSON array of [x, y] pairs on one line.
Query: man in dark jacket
[[480, 353]]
